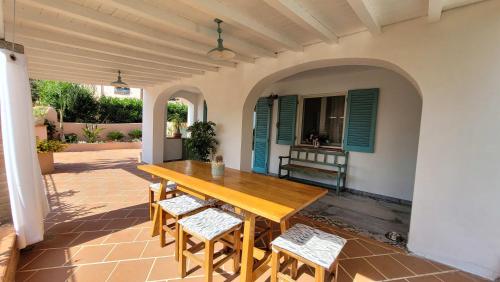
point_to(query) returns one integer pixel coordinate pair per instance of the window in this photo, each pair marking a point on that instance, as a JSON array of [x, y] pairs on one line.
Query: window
[[323, 118]]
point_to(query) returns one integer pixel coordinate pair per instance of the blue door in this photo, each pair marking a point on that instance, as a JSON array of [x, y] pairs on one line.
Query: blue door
[[261, 135]]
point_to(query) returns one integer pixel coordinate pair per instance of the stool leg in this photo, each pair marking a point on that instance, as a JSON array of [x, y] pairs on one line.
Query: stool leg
[[336, 271], [163, 222], [319, 274], [176, 237], [237, 250], [275, 264], [208, 268], [151, 200], [182, 248]]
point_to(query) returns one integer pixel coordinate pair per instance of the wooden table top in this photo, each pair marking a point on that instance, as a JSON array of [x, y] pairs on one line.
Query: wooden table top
[[270, 197]]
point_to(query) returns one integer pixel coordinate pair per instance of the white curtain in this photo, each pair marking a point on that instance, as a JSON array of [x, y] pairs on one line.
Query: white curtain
[[26, 187]]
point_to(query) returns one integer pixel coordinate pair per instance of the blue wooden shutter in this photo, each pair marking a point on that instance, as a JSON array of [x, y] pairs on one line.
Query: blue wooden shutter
[[287, 115], [261, 135], [361, 120], [205, 111]]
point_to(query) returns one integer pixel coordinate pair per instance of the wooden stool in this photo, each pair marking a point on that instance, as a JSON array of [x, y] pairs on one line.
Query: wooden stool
[[162, 189], [210, 226], [312, 247], [177, 208]]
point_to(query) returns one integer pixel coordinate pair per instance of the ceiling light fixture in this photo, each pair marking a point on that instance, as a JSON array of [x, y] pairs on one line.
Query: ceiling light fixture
[[220, 52], [119, 82]]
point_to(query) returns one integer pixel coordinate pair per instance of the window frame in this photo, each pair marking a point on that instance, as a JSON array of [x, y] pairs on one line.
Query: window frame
[[300, 117]]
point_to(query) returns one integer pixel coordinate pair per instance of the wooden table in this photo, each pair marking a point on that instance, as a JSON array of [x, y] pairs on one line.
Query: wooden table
[[255, 194]]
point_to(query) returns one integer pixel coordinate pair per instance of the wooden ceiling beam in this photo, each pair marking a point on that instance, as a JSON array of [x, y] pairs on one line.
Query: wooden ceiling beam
[[434, 10], [366, 15], [296, 13], [79, 43], [171, 20], [38, 62], [90, 62], [57, 71], [237, 18], [46, 75], [50, 22]]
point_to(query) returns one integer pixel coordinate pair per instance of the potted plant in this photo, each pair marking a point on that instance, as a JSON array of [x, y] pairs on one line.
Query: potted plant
[[177, 120], [45, 150], [202, 142], [218, 166]]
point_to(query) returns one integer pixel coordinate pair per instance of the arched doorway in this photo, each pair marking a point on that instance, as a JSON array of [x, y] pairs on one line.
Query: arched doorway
[[155, 140], [387, 173]]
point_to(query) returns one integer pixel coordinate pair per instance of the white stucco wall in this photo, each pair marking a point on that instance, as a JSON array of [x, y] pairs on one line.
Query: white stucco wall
[[455, 65], [390, 170]]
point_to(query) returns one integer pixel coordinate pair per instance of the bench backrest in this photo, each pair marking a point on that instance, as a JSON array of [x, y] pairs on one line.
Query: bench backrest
[[318, 156]]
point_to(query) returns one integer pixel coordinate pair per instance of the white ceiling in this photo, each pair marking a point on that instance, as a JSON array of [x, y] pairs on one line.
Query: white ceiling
[[155, 41]]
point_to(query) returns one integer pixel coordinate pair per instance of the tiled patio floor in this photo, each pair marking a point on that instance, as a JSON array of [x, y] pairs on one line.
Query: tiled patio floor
[[98, 230]]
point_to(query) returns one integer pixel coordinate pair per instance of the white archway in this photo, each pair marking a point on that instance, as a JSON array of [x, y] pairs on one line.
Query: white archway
[[260, 86]]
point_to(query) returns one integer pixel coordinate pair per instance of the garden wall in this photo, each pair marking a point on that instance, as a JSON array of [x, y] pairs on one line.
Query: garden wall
[[76, 128], [102, 146]]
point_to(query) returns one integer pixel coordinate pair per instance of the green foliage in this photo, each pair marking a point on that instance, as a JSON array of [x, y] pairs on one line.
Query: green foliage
[[92, 133], [135, 134], [76, 102], [115, 135], [45, 146], [119, 110], [202, 142], [71, 138], [176, 110], [51, 129], [39, 113]]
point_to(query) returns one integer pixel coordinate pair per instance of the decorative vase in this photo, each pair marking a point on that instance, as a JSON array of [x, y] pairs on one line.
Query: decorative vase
[[217, 169]]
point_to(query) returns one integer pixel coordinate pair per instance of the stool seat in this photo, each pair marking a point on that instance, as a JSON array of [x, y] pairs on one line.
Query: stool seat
[[155, 187], [210, 223], [182, 205], [311, 244]]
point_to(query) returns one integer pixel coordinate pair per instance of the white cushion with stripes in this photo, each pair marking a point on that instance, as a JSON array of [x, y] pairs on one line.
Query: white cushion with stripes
[[155, 187], [312, 244], [210, 223], [182, 204]]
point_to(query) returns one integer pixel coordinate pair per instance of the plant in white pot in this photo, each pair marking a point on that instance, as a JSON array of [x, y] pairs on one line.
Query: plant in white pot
[[45, 150], [218, 166]]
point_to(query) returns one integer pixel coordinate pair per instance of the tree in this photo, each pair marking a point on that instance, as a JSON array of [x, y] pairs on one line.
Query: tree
[[177, 111], [73, 102]]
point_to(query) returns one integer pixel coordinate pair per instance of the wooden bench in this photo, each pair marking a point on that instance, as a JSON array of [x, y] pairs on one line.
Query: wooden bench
[[330, 160]]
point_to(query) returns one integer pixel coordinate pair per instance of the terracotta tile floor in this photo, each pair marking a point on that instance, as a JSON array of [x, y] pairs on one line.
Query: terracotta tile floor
[[98, 230]]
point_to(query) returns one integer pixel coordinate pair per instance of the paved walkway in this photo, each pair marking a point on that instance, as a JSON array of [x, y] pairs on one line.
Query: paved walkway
[[98, 230]]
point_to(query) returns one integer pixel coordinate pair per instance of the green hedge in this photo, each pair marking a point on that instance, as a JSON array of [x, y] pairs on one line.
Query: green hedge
[[119, 110]]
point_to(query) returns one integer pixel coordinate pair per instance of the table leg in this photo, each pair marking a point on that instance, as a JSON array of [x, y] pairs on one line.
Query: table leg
[[247, 248]]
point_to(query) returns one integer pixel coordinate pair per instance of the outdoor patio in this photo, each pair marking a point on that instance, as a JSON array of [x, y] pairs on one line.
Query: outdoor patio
[[99, 230]]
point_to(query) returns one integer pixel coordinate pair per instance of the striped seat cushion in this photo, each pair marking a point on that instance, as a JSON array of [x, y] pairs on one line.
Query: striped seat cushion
[[155, 187], [312, 244], [183, 204], [210, 223]]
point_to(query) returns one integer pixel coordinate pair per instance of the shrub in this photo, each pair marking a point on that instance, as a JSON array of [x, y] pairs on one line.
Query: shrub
[[119, 110], [135, 134], [73, 102], [91, 132], [202, 142], [39, 113], [71, 138], [45, 146], [115, 136]]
